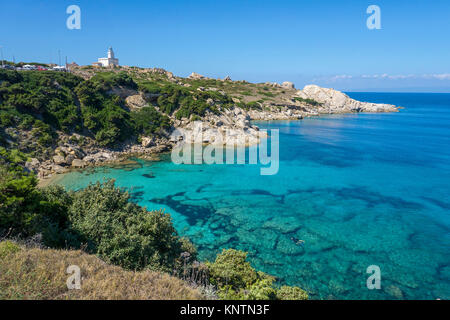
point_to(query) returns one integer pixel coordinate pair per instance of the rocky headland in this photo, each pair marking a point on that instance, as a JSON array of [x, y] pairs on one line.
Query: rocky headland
[[245, 102]]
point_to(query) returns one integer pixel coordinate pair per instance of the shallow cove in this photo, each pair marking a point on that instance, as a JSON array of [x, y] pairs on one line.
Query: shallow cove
[[359, 189]]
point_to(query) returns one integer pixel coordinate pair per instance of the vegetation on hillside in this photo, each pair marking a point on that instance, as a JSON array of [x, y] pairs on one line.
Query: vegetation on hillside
[[308, 101], [236, 279], [101, 220], [44, 103]]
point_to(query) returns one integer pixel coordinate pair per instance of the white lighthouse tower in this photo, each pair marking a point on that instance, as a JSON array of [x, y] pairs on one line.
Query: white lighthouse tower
[[110, 53], [110, 61]]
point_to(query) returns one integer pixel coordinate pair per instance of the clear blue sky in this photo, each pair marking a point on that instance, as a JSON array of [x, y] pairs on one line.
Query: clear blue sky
[[317, 41]]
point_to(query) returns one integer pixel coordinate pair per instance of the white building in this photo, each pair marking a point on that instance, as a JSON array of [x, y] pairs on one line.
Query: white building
[[111, 61]]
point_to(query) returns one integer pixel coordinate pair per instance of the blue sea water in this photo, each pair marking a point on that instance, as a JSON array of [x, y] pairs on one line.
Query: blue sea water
[[359, 189]]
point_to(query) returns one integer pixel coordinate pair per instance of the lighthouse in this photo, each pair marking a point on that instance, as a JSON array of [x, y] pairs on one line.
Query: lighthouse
[[110, 53], [110, 61]]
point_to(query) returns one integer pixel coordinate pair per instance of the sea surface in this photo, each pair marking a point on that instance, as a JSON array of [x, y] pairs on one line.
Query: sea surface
[[358, 189]]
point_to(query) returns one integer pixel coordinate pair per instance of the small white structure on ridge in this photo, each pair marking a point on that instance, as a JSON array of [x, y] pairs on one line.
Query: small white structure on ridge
[[111, 61]]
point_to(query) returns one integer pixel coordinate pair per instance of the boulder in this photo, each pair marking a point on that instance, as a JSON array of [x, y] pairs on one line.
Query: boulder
[[58, 169], [77, 163], [288, 85], [147, 142], [32, 164], [58, 159], [135, 101], [196, 76], [89, 158], [70, 158]]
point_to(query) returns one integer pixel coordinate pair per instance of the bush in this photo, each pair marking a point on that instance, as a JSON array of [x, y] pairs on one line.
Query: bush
[[291, 293], [236, 279], [231, 268], [149, 121], [8, 247], [103, 114], [48, 95], [26, 210], [122, 232], [18, 196], [311, 102]]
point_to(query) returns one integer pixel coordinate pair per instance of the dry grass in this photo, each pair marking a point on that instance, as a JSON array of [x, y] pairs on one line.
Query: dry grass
[[41, 274]]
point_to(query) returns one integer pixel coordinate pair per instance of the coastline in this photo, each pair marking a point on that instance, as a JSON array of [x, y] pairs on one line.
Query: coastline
[[153, 154], [46, 182], [219, 125], [120, 162]]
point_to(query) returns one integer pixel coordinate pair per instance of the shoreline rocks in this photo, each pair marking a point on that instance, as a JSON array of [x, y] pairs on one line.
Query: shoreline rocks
[[333, 101]]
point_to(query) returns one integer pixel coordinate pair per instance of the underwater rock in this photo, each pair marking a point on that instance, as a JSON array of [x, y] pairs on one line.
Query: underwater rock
[[394, 291], [283, 224], [287, 246], [264, 238]]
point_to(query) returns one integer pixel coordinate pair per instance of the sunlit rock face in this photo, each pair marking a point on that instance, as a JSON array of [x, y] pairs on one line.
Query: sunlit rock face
[[334, 101]]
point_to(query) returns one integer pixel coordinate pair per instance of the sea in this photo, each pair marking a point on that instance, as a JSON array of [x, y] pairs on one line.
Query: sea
[[358, 200]]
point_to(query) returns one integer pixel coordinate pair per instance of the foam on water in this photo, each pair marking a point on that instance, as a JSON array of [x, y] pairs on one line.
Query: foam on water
[[360, 190]]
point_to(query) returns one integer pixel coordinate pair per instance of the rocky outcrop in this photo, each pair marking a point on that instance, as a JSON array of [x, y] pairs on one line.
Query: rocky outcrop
[[333, 101], [32, 165], [288, 85], [276, 113], [196, 76], [147, 142], [135, 101], [77, 163], [230, 127], [272, 84], [58, 159]]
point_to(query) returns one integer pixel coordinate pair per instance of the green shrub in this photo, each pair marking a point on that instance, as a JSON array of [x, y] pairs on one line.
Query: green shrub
[[104, 114], [47, 95], [231, 268], [291, 293], [311, 102], [18, 196], [148, 120], [151, 87], [255, 105], [122, 232], [236, 279], [8, 247], [26, 210]]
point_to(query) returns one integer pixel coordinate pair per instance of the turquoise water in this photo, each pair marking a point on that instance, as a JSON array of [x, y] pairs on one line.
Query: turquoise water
[[359, 189]]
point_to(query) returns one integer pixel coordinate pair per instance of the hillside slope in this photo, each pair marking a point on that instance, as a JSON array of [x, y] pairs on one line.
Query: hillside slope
[[92, 116], [42, 274]]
